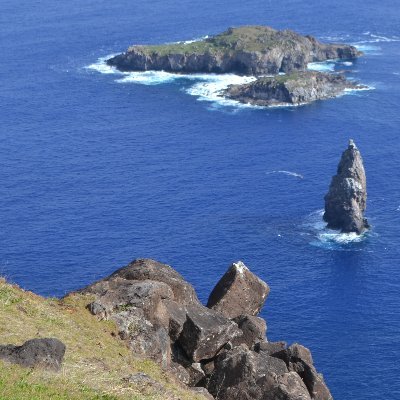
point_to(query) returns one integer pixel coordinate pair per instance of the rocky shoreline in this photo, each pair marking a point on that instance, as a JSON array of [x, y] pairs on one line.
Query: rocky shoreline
[[292, 89], [221, 348]]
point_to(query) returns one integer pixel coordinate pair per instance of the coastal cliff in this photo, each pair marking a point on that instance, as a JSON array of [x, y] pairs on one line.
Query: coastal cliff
[[248, 50], [148, 319], [292, 89]]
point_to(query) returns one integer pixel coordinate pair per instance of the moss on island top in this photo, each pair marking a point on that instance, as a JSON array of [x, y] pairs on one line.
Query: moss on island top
[[96, 360], [246, 38]]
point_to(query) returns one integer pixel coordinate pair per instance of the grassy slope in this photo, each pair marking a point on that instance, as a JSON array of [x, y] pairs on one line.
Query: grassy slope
[[95, 361], [248, 38]]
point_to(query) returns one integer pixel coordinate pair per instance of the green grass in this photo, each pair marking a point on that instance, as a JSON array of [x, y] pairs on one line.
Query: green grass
[[247, 38], [96, 360]]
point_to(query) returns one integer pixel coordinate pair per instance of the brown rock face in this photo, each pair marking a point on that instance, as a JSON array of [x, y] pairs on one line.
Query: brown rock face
[[247, 50], [293, 89], [205, 332], [238, 292], [298, 359], [346, 201], [254, 330], [243, 374]]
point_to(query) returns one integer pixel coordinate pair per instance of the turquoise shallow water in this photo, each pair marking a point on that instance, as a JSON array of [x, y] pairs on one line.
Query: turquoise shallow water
[[98, 169]]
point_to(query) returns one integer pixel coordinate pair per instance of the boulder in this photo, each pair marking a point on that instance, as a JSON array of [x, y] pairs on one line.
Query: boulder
[[121, 295], [46, 353], [254, 330], [298, 359], [242, 374], [205, 332], [238, 292], [269, 347], [144, 338], [346, 200], [147, 269]]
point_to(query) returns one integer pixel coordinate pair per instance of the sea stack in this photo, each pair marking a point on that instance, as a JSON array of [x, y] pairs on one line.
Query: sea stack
[[346, 200]]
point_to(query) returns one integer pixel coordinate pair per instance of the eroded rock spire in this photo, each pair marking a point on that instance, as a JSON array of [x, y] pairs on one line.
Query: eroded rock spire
[[346, 199]]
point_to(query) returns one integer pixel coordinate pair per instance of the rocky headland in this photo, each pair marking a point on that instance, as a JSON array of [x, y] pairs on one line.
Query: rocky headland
[[222, 349], [346, 200], [248, 50], [292, 89], [149, 336]]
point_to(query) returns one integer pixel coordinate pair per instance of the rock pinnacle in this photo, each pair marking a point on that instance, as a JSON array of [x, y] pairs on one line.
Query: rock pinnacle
[[346, 199]]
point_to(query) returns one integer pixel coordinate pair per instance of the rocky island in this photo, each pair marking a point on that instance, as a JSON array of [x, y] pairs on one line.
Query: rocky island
[[147, 311], [292, 89], [346, 200], [252, 51], [248, 50]]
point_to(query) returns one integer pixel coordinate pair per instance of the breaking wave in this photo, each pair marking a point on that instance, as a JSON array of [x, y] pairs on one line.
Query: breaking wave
[[330, 239], [206, 87], [323, 66]]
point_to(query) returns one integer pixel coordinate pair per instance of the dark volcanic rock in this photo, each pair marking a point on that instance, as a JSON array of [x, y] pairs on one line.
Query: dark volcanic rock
[[346, 200], [159, 316], [298, 359], [205, 332], [147, 269], [242, 374], [238, 292], [45, 353], [293, 89], [248, 50], [269, 347], [254, 330]]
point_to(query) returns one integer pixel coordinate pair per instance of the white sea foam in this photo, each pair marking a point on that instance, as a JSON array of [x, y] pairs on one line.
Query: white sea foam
[[206, 87], [356, 91], [209, 86], [101, 66], [195, 40], [324, 66], [289, 173], [347, 63], [149, 77], [329, 238], [367, 48]]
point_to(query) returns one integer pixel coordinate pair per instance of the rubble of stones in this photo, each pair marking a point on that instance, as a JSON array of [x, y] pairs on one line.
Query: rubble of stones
[[221, 348]]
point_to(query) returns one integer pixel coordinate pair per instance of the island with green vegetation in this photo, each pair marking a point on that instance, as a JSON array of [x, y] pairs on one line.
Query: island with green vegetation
[[247, 50]]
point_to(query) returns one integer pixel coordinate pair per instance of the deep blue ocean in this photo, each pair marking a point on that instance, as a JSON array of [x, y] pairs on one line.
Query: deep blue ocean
[[99, 168]]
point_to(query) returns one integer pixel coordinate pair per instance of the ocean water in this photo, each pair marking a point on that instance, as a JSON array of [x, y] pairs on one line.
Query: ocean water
[[99, 168]]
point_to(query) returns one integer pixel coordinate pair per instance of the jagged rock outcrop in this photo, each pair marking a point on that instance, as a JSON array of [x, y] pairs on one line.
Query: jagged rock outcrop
[[243, 374], [248, 50], [222, 349], [298, 359], [293, 89], [238, 292], [45, 353], [346, 200]]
